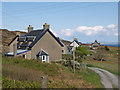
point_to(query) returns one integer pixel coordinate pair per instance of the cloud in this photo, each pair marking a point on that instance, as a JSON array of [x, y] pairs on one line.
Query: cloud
[[111, 26], [108, 30], [115, 34], [90, 30], [67, 32]]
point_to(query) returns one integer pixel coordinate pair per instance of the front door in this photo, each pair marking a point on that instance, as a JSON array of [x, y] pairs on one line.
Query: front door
[[43, 58]]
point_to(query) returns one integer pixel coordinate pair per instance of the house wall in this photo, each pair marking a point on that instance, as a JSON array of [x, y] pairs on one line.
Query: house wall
[[74, 44], [65, 50], [28, 55], [95, 44], [11, 45], [49, 45]]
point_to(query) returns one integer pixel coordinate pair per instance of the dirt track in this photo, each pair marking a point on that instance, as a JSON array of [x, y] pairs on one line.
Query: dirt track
[[108, 79]]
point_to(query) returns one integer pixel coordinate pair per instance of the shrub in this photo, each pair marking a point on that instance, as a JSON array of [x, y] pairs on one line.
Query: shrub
[[67, 56], [106, 48], [89, 65]]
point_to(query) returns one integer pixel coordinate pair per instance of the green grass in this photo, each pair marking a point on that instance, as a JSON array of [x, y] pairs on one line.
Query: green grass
[[111, 67], [88, 75], [91, 77], [8, 83], [33, 64], [111, 63], [22, 73]]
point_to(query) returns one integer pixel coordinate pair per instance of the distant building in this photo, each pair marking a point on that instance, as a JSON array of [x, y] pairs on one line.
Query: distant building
[[39, 44], [95, 45], [69, 46]]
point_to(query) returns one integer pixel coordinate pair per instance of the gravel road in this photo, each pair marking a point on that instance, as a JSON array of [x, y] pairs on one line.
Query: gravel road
[[108, 79]]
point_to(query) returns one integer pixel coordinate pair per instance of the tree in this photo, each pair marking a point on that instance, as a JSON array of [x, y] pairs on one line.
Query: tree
[[80, 53]]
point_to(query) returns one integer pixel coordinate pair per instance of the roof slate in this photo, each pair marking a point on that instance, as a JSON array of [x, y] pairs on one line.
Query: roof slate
[[38, 35], [42, 53]]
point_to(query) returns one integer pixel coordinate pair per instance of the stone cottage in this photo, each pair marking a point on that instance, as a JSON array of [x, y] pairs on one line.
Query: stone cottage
[[39, 44], [95, 45], [69, 46]]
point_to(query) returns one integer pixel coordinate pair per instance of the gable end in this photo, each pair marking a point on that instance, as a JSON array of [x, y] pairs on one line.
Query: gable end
[[41, 37]]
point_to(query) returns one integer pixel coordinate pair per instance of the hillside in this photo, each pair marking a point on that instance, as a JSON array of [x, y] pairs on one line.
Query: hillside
[[7, 36], [111, 62], [21, 73]]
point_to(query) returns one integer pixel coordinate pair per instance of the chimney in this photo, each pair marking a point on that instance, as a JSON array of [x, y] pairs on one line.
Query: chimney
[[75, 39], [14, 50], [46, 26], [30, 28]]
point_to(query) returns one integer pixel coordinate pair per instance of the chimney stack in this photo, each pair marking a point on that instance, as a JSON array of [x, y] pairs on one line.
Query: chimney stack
[[14, 50], [75, 39], [30, 28], [46, 26]]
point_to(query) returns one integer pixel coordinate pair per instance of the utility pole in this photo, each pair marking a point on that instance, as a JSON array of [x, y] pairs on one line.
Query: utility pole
[[73, 56], [74, 59]]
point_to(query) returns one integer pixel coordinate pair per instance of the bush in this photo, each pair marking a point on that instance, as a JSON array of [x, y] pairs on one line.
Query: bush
[[89, 65], [67, 56], [81, 52], [106, 48], [78, 59]]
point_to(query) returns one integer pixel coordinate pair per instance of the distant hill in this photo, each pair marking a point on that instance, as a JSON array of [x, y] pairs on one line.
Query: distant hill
[[7, 36]]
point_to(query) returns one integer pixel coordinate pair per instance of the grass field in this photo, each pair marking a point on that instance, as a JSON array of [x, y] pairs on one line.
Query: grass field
[[22, 73], [111, 64]]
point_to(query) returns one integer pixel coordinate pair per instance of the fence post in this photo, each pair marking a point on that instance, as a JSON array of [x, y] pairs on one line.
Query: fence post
[[44, 81]]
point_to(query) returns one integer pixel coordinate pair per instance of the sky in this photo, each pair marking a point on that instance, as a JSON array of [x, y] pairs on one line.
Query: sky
[[87, 21]]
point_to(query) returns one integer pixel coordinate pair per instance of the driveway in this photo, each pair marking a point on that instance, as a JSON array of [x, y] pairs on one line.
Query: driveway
[[108, 79]]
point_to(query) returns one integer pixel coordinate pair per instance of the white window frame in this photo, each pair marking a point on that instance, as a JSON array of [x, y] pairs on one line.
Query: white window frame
[[44, 58]]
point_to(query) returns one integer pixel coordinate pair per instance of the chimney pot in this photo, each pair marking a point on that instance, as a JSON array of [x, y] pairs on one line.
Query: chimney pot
[[30, 28], [46, 26]]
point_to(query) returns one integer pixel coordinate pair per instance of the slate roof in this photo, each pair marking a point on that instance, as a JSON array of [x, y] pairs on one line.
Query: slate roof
[[95, 42], [76, 42], [30, 38], [24, 44], [38, 35], [42, 53], [21, 39], [66, 42], [35, 33]]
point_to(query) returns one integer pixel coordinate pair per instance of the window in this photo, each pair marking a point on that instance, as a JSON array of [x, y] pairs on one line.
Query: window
[[43, 57], [62, 50], [24, 56], [69, 50]]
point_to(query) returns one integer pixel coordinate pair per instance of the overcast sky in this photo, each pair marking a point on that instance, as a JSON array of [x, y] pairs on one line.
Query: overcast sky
[[86, 21]]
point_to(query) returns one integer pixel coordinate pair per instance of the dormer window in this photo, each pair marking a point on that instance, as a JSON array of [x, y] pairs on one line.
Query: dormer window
[[31, 38], [21, 39]]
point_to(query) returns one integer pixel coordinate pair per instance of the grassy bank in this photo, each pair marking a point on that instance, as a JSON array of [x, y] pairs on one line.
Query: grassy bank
[[111, 62], [111, 67], [27, 73]]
